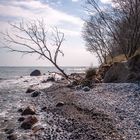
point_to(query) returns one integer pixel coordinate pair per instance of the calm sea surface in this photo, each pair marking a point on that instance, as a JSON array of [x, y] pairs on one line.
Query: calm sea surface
[[12, 72]]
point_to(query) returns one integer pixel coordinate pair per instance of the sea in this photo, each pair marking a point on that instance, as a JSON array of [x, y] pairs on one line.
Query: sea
[[15, 72]]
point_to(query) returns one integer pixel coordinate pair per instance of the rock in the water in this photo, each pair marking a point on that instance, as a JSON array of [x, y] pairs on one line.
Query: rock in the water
[[37, 128], [12, 137], [29, 122], [35, 73], [29, 90], [60, 104], [86, 89], [30, 110], [50, 79], [35, 93]]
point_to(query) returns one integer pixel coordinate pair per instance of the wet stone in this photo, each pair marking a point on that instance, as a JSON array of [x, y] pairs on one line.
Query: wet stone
[[12, 137], [29, 122], [30, 90], [50, 79], [21, 119], [20, 110], [86, 89], [30, 110], [60, 104], [35, 93], [37, 128], [9, 131], [44, 108]]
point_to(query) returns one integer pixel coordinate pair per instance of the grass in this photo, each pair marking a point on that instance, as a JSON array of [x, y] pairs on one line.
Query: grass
[[120, 58]]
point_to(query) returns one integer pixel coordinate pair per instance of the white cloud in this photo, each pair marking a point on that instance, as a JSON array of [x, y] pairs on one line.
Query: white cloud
[[31, 9], [75, 0], [106, 1], [37, 10]]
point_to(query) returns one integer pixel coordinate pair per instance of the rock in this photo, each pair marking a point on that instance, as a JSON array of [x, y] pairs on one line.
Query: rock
[[20, 110], [117, 73], [44, 108], [29, 122], [29, 90], [62, 79], [35, 93], [35, 73], [102, 71], [21, 119], [37, 128], [96, 80], [60, 104], [9, 131], [72, 84], [86, 89], [50, 79], [124, 71], [44, 81], [12, 137], [134, 63], [30, 110]]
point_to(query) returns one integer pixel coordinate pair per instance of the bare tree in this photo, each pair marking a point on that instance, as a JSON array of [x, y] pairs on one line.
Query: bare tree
[[34, 38], [97, 40], [128, 25], [116, 29]]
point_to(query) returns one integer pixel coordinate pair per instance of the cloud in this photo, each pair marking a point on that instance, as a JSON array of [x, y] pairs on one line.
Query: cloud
[[35, 10], [106, 1], [75, 0]]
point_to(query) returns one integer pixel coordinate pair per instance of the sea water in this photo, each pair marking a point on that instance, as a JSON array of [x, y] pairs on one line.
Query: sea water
[[14, 72]]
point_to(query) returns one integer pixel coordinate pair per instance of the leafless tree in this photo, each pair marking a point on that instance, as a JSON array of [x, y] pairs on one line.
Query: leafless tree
[[116, 29], [97, 40], [34, 38], [128, 25]]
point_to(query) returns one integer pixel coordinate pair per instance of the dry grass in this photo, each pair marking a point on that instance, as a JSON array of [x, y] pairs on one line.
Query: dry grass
[[118, 58]]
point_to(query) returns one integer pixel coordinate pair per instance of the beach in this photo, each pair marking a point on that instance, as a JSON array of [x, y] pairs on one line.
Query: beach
[[106, 112]]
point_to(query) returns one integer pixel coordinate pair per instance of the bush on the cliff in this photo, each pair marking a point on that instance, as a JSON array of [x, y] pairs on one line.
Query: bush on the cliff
[[90, 73]]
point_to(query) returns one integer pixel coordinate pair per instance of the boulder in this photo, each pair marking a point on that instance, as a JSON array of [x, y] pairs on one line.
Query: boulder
[[29, 122], [50, 79], [134, 63], [20, 110], [29, 90], [44, 108], [86, 89], [30, 110], [35, 73], [117, 73], [12, 137], [60, 104], [37, 128], [9, 131], [35, 93], [124, 71], [102, 71], [21, 119]]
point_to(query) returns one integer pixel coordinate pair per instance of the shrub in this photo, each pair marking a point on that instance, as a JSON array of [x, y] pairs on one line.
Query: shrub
[[90, 73]]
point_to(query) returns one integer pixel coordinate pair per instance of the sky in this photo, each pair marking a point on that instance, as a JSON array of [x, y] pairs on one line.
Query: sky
[[67, 15]]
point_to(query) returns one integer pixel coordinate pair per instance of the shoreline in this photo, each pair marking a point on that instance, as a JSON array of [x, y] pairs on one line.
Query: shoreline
[[103, 113]]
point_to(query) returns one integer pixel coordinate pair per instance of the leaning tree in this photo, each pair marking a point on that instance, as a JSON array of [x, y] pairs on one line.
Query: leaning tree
[[34, 38]]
